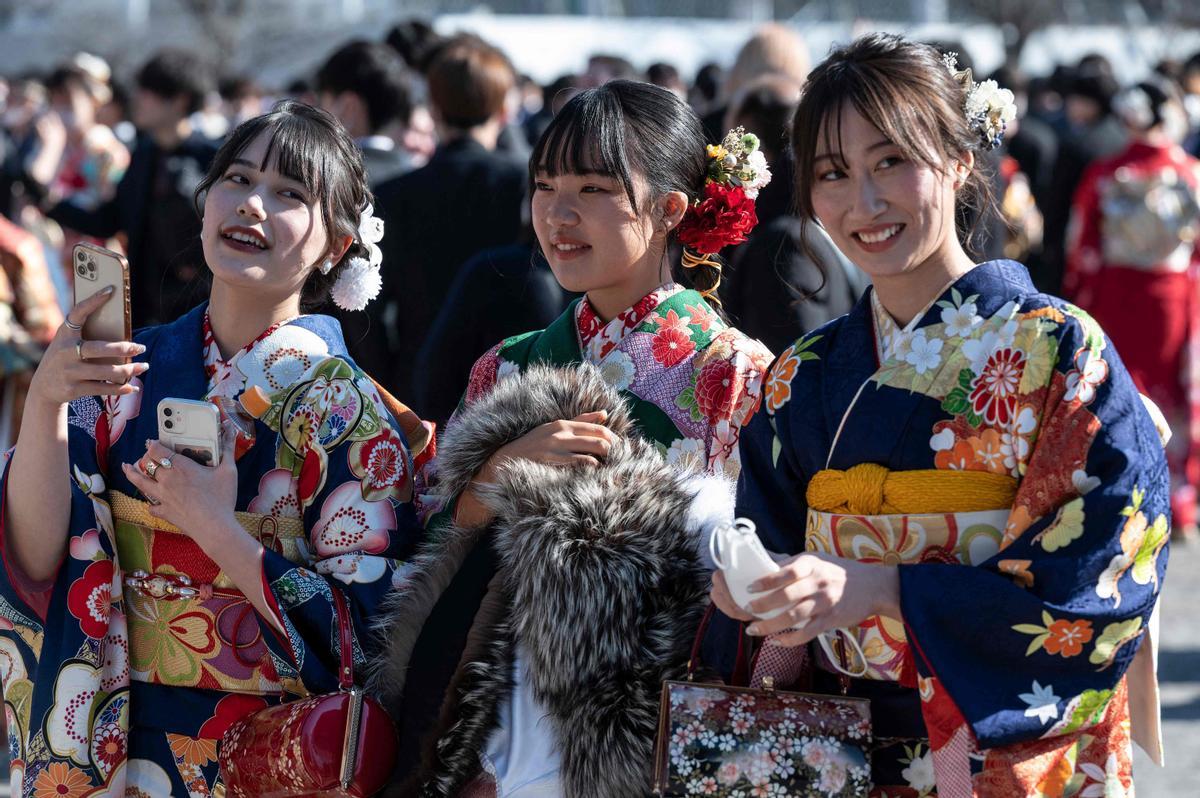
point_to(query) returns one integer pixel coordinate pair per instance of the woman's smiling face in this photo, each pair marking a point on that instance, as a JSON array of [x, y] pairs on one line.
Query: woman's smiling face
[[590, 234], [262, 229], [887, 213]]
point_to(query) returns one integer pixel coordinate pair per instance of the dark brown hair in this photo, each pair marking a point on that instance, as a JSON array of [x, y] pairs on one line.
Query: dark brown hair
[[468, 82], [905, 90], [311, 147], [626, 128]]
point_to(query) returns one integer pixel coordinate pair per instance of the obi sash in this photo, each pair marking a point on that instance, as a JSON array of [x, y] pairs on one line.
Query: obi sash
[[870, 514], [189, 625]]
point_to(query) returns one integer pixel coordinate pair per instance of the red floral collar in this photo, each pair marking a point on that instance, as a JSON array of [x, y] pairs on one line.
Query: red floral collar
[[214, 364], [597, 339]]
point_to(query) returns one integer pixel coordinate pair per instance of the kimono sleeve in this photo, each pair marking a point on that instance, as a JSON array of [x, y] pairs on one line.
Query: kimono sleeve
[[354, 477], [770, 493], [1034, 642]]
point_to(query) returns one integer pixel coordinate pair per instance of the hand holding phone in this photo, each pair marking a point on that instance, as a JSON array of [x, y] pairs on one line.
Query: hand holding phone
[[95, 269], [191, 428]]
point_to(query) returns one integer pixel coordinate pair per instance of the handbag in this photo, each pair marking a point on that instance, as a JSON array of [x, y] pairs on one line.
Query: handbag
[[718, 740], [339, 744]]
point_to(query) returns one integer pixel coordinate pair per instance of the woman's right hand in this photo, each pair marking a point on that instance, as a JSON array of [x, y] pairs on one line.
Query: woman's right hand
[[583, 440], [65, 373]]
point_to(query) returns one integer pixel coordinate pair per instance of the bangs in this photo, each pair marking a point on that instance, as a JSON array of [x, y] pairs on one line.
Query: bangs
[[296, 153], [587, 137], [892, 106]]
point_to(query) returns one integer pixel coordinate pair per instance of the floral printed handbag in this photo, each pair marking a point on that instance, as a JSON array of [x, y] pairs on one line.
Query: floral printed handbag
[[731, 742]]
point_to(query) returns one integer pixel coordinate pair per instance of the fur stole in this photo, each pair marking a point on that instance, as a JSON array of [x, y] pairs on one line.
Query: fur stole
[[600, 581]]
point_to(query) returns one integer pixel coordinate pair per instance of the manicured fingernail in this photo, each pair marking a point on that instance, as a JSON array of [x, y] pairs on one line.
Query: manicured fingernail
[[139, 348], [753, 629], [135, 389], [771, 642], [108, 290], [142, 368]]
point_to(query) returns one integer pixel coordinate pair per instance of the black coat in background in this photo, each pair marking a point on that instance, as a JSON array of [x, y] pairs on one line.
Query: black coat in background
[[169, 280], [465, 200], [1076, 152], [497, 294], [776, 293]]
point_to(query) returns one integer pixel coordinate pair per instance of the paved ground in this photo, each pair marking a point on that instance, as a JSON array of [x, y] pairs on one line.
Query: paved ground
[[1179, 677]]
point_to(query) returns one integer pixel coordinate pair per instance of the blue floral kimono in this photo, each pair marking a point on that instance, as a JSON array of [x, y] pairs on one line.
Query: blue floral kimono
[[1007, 675], [121, 676]]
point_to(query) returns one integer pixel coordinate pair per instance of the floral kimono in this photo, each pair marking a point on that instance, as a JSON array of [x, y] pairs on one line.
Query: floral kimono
[[121, 675], [997, 450], [691, 380]]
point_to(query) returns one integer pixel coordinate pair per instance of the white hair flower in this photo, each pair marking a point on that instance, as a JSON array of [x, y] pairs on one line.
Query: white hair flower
[[360, 280], [988, 107], [756, 165], [357, 284]]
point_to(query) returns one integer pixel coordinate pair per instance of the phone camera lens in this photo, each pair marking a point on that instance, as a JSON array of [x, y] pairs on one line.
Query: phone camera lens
[[81, 270], [169, 424], [80, 256], [167, 411]]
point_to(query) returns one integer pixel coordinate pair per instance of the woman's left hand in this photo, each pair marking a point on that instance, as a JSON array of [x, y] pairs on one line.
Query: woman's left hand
[[822, 592], [191, 496]]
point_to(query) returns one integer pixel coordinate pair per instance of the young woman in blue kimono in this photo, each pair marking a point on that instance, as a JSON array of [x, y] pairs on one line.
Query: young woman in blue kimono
[[148, 602], [975, 494]]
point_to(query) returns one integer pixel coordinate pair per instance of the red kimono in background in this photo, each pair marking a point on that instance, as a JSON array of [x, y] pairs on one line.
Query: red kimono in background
[[1134, 264]]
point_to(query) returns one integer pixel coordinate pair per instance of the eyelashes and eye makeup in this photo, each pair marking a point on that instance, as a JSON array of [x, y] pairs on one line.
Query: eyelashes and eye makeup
[[831, 174], [287, 192]]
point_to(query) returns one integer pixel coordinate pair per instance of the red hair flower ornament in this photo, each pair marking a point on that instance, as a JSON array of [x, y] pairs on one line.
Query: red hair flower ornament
[[725, 214]]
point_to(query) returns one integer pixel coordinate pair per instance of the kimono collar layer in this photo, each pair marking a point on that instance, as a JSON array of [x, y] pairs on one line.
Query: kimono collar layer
[[597, 339], [994, 282], [274, 360]]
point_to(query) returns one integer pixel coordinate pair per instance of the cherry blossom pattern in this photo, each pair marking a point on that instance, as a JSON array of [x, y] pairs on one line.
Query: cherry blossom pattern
[[1089, 373], [349, 523], [277, 495]]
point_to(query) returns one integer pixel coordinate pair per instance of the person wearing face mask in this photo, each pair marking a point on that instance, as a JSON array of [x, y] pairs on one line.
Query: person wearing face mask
[[149, 602], [972, 493], [1133, 262]]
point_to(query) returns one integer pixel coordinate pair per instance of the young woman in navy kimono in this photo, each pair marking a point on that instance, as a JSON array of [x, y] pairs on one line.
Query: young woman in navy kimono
[[975, 495], [147, 602]]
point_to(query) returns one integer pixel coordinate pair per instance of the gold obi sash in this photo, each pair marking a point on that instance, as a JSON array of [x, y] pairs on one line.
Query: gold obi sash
[[871, 514], [189, 625]]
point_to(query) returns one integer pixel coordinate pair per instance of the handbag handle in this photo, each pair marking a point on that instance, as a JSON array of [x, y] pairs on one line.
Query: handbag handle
[[346, 638], [740, 665]]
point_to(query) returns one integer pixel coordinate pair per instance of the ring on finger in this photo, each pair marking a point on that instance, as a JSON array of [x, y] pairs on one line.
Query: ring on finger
[[166, 462], [72, 325], [151, 468], [79, 349]]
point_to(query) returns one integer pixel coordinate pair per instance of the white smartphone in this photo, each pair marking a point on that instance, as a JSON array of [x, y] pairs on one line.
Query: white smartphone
[[94, 269], [191, 428]]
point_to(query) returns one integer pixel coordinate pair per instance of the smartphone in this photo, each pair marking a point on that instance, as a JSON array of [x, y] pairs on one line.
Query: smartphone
[[96, 268], [191, 428]]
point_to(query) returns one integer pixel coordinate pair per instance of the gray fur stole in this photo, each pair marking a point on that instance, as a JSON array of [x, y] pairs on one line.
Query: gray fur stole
[[600, 582]]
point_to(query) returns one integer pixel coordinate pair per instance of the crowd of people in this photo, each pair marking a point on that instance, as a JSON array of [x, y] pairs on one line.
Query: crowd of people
[[825, 306]]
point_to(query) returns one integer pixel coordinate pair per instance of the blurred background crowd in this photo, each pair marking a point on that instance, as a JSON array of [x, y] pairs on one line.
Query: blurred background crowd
[[111, 112], [445, 119]]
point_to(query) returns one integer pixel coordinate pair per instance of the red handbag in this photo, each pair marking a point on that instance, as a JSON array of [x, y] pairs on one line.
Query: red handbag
[[340, 744]]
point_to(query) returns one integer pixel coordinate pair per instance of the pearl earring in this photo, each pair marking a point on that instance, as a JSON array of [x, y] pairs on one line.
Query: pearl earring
[[326, 266]]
